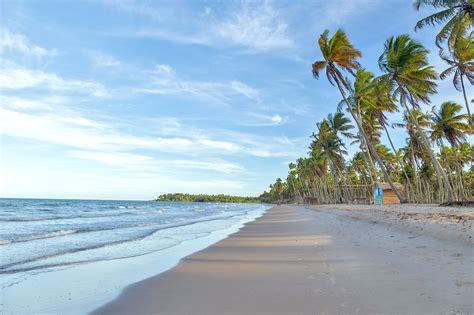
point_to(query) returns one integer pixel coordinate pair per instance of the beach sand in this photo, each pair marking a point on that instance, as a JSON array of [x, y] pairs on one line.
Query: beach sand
[[317, 260]]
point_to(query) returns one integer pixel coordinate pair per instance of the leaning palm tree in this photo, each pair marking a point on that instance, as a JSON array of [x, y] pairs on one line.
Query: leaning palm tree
[[339, 55], [458, 15], [405, 64], [449, 124], [329, 146], [461, 63]]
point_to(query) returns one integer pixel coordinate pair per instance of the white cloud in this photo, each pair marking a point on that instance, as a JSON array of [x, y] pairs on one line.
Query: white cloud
[[215, 165], [136, 7], [170, 35], [163, 70], [112, 158], [151, 166], [276, 119], [257, 27], [219, 145], [102, 59], [257, 120], [19, 43], [334, 12], [15, 77], [246, 90], [18, 103], [70, 129], [164, 81]]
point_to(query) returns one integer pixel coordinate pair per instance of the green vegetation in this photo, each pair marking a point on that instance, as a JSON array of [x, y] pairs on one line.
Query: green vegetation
[[407, 83], [206, 198]]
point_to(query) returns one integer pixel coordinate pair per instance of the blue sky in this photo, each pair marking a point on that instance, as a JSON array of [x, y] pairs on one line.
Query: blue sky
[[127, 100]]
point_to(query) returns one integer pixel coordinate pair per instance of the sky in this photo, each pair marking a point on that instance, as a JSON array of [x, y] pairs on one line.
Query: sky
[[130, 99]]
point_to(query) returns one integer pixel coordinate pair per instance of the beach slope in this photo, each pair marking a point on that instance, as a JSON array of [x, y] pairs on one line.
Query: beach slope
[[296, 260]]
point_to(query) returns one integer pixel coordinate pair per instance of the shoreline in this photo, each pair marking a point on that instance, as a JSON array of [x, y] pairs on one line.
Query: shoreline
[[84, 290], [294, 259]]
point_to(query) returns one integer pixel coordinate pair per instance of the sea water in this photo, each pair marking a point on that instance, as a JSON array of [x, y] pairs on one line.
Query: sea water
[[72, 256]]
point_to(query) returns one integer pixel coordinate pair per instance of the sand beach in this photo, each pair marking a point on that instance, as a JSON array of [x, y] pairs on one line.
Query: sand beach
[[322, 260]]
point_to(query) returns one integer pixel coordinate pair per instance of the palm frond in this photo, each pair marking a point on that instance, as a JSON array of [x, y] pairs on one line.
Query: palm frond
[[435, 18], [318, 66]]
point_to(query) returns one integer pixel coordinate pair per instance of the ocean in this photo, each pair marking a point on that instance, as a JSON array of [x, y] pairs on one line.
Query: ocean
[[40, 238]]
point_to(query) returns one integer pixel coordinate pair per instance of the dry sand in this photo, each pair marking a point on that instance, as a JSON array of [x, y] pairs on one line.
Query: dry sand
[[449, 223], [297, 260]]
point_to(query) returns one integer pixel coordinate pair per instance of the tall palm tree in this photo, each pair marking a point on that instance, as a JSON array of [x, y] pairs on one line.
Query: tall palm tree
[[449, 124], [458, 15], [423, 120], [340, 124], [328, 143], [405, 64], [327, 146], [339, 55], [382, 102], [361, 98], [461, 63], [365, 102]]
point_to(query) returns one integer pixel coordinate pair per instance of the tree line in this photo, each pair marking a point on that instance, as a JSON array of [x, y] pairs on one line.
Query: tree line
[[182, 197], [435, 164]]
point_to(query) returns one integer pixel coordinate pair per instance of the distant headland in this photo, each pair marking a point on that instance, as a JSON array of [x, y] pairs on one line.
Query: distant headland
[[206, 198]]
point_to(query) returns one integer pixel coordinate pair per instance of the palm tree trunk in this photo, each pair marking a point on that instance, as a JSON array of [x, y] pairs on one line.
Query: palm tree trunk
[[370, 145], [467, 103], [302, 187], [366, 159], [458, 172], [362, 140], [439, 171], [396, 153], [414, 165], [451, 179], [334, 181], [463, 188]]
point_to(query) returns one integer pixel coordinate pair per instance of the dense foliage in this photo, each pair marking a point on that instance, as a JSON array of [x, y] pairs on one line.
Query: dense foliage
[[436, 163], [206, 198]]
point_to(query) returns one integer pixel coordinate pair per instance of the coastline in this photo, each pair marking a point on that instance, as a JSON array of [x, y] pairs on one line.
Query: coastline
[[84, 289], [294, 259]]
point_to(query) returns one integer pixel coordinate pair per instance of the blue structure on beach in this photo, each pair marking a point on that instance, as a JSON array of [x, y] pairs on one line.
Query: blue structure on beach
[[384, 194]]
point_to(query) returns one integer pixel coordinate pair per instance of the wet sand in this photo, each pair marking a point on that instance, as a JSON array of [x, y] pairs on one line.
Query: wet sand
[[300, 260]]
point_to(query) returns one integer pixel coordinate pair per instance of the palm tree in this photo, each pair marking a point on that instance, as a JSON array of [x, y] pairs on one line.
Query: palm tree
[[448, 123], [405, 64], [461, 63], [458, 15], [339, 54], [360, 165], [292, 180], [414, 141], [340, 124], [279, 188], [364, 102], [327, 146]]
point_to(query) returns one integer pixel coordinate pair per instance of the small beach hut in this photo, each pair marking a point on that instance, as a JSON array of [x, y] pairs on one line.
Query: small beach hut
[[384, 195]]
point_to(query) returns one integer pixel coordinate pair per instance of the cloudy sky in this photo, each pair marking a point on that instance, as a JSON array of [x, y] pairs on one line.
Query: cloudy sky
[[127, 100]]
